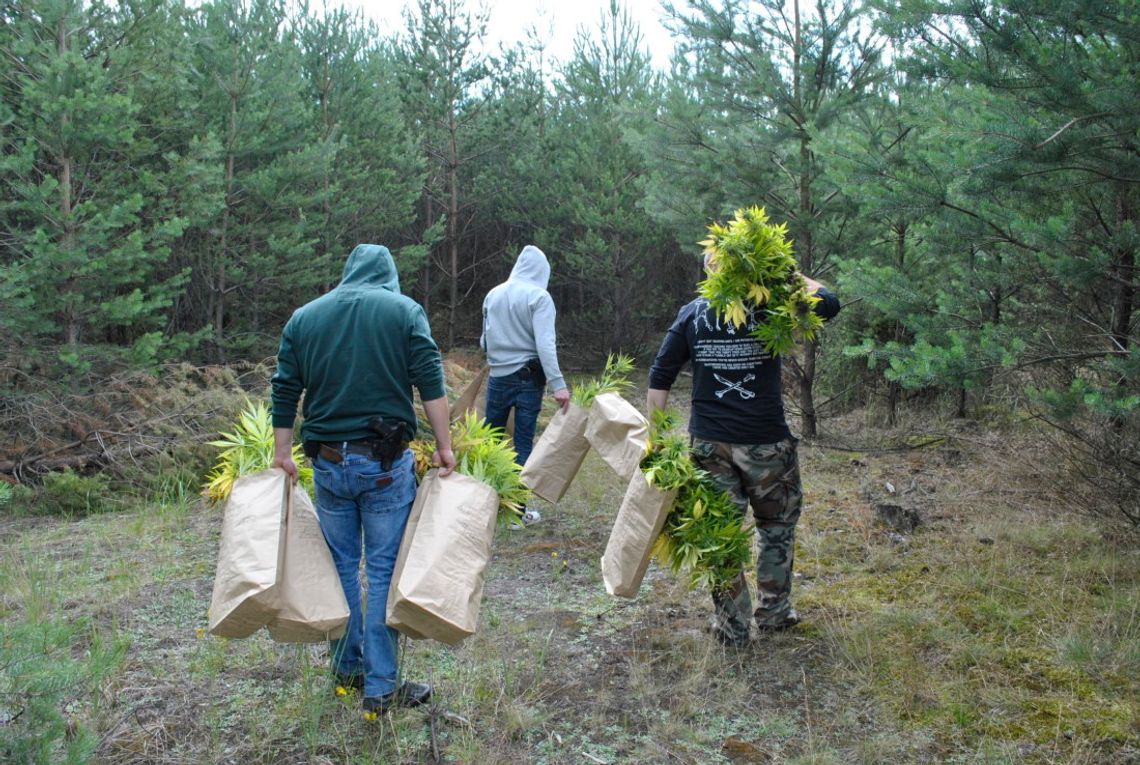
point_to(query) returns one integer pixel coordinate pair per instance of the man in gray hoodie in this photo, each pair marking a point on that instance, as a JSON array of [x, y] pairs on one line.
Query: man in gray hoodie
[[518, 336]]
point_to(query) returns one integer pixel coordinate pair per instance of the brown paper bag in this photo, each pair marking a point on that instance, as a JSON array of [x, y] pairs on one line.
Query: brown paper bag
[[556, 457], [274, 568], [252, 545], [311, 606], [437, 584], [473, 397], [617, 431], [639, 521]]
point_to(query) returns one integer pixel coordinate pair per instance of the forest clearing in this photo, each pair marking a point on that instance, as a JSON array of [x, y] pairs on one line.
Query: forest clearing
[[956, 609], [961, 178]]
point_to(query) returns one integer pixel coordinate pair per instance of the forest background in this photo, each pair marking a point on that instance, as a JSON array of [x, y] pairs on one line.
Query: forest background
[[178, 177]]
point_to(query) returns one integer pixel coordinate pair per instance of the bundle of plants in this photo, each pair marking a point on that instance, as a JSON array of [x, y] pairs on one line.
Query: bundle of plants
[[752, 270], [614, 379], [247, 450], [483, 453], [703, 537]]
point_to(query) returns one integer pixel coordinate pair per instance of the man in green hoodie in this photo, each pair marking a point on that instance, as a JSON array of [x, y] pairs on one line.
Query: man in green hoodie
[[356, 353]]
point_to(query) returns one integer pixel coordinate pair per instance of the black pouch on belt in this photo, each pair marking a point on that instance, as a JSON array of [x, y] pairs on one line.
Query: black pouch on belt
[[534, 367]]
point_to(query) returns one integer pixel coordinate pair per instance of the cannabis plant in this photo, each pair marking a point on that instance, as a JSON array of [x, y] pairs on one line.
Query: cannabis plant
[[248, 449], [483, 453], [753, 275], [615, 379], [703, 536]]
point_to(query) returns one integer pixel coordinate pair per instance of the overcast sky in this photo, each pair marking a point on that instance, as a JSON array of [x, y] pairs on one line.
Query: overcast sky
[[510, 20]]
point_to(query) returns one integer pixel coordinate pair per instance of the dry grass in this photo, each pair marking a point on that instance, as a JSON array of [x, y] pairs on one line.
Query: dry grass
[[1002, 630]]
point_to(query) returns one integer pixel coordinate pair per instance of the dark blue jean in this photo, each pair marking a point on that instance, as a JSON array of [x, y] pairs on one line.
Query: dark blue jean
[[362, 507], [523, 392]]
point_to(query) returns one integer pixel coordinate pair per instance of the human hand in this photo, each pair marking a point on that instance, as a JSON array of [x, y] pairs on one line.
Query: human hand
[[563, 398], [444, 459], [289, 465]]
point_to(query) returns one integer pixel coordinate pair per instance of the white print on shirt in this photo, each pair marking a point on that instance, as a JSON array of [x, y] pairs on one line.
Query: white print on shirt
[[736, 386], [721, 354]]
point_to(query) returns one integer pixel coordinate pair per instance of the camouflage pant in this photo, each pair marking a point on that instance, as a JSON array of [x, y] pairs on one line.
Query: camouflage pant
[[767, 476]]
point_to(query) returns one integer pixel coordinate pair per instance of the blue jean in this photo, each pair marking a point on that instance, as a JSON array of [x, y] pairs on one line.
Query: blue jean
[[362, 507], [522, 392]]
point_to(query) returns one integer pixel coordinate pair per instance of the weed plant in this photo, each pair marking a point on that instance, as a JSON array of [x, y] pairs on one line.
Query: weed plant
[[703, 536], [614, 379], [752, 269], [248, 449], [483, 453]]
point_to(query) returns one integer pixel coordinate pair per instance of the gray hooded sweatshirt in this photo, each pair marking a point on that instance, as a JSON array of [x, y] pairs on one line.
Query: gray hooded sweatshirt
[[518, 320]]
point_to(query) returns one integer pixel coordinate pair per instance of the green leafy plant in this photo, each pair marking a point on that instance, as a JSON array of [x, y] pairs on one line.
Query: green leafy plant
[[248, 449], [45, 665], [752, 269], [703, 536], [483, 453], [65, 493], [614, 379]]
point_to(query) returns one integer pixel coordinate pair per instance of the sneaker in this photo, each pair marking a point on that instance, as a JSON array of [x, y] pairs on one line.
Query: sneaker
[[791, 619], [529, 517], [407, 695]]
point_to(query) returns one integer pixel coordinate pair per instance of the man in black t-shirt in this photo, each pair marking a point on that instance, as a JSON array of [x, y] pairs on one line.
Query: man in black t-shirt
[[740, 436]]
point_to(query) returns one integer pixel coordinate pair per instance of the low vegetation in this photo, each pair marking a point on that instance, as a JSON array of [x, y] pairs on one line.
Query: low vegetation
[[955, 611]]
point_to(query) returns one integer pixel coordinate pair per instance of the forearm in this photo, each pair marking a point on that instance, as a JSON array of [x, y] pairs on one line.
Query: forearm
[[439, 417], [282, 443], [656, 398]]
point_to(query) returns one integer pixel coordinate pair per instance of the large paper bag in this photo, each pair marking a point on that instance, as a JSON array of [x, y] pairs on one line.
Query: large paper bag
[[555, 459], [274, 568], [437, 584], [311, 606], [639, 521], [617, 431], [473, 398], [252, 546]]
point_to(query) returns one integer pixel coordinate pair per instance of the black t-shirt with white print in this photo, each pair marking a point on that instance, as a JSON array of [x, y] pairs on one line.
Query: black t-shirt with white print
[[736, 383]]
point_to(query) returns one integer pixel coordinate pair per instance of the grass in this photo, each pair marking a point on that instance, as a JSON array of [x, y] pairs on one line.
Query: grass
[[1001, 631]]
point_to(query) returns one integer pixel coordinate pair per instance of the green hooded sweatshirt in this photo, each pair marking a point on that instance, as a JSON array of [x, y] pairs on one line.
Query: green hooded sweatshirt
[[356, 352]]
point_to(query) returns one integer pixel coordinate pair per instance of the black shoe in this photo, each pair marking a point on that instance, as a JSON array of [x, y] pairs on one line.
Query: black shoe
[[791, 619], [407, 695], [349, 682]]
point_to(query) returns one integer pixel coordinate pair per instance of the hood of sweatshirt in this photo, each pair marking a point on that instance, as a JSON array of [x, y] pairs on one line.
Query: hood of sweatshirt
[[532, 267], [371, 266]]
